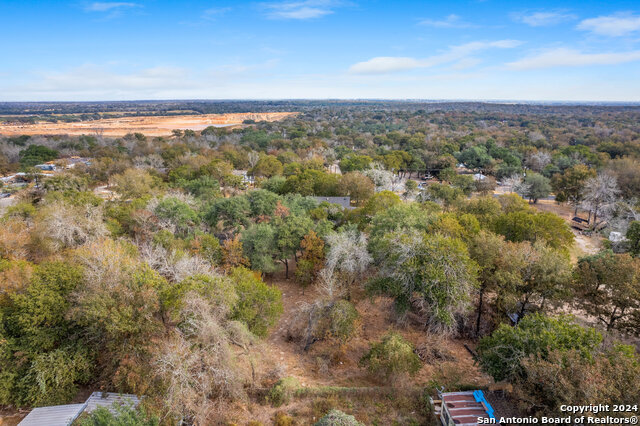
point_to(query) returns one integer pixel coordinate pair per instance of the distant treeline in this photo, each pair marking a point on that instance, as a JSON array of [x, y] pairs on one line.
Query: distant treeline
[[234, 106]]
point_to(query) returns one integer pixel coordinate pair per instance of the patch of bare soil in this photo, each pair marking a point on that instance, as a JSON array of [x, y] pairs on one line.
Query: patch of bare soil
[[150, 126], [12, 418], [326, 366]]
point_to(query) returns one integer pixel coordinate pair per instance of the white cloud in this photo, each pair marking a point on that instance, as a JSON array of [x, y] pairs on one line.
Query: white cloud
[[108, 81], [385, 64], [390, 64], [109, 6], [305, 9], [563, 57], [466, 63], [257, 84], [451, 21], [214, 12], [616, 25], [237, 70], [90, 77], [543, 19]]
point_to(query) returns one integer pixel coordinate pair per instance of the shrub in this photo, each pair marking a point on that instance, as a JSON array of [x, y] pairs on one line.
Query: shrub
[[536, 335], [282, 419], [568, 378], [282, 392], [123, 415], [339, 321], [338, 418], [321, 320], [390, 357]]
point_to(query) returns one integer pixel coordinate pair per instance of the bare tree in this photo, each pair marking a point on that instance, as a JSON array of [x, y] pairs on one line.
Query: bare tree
[[512, 182], [173, 265], [346, 261], [600, 196], [253, 158], [68, 226], [384, 180], [197, 366], [539, 160]]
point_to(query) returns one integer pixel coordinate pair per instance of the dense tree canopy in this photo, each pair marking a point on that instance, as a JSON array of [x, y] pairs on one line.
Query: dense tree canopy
[[158, 265]]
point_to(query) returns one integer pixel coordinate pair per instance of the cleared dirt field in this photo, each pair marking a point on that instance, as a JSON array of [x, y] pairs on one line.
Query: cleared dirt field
[[150, 126]]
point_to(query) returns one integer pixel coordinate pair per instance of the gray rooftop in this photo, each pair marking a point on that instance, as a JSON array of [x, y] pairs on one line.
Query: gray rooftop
[[53, 416], [107, 399], [64, 415], [342, 201]]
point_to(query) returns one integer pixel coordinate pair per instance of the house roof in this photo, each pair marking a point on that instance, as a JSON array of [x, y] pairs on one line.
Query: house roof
[[342, 201], [64, 415], [107, 399], [53, 416]]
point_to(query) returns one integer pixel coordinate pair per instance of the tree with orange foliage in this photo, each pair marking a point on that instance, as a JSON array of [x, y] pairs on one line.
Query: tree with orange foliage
[[232, 254], [312, 259]]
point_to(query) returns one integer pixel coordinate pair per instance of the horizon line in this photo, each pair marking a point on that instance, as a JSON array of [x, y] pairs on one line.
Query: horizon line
[[398, 100]]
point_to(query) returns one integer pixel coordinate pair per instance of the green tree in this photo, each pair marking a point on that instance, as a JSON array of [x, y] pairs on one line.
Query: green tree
[[569, 186], [379, 202], [633, 235], [262, 202], [39, 312], [178, 213], [357, 186], [502, 353], [526, 225], [475, 157], [608, 288], [204, 187], [228, 213], [117, 304], [485, 209], [259, 305], [445, 193], [57, 374], [43, 360], [267, 166], [274, 184], [534, 187], [487, 250], [218, 291], [355, 162], [313, 182], [135, 183], [66, 182], [36, 154], [530, 275], [398, 217], [289, 234], [259, 246], [435, 269], [206, 246], [569, 378]]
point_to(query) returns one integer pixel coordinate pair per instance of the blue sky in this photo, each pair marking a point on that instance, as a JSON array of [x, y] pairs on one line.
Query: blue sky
[[154, 49]]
